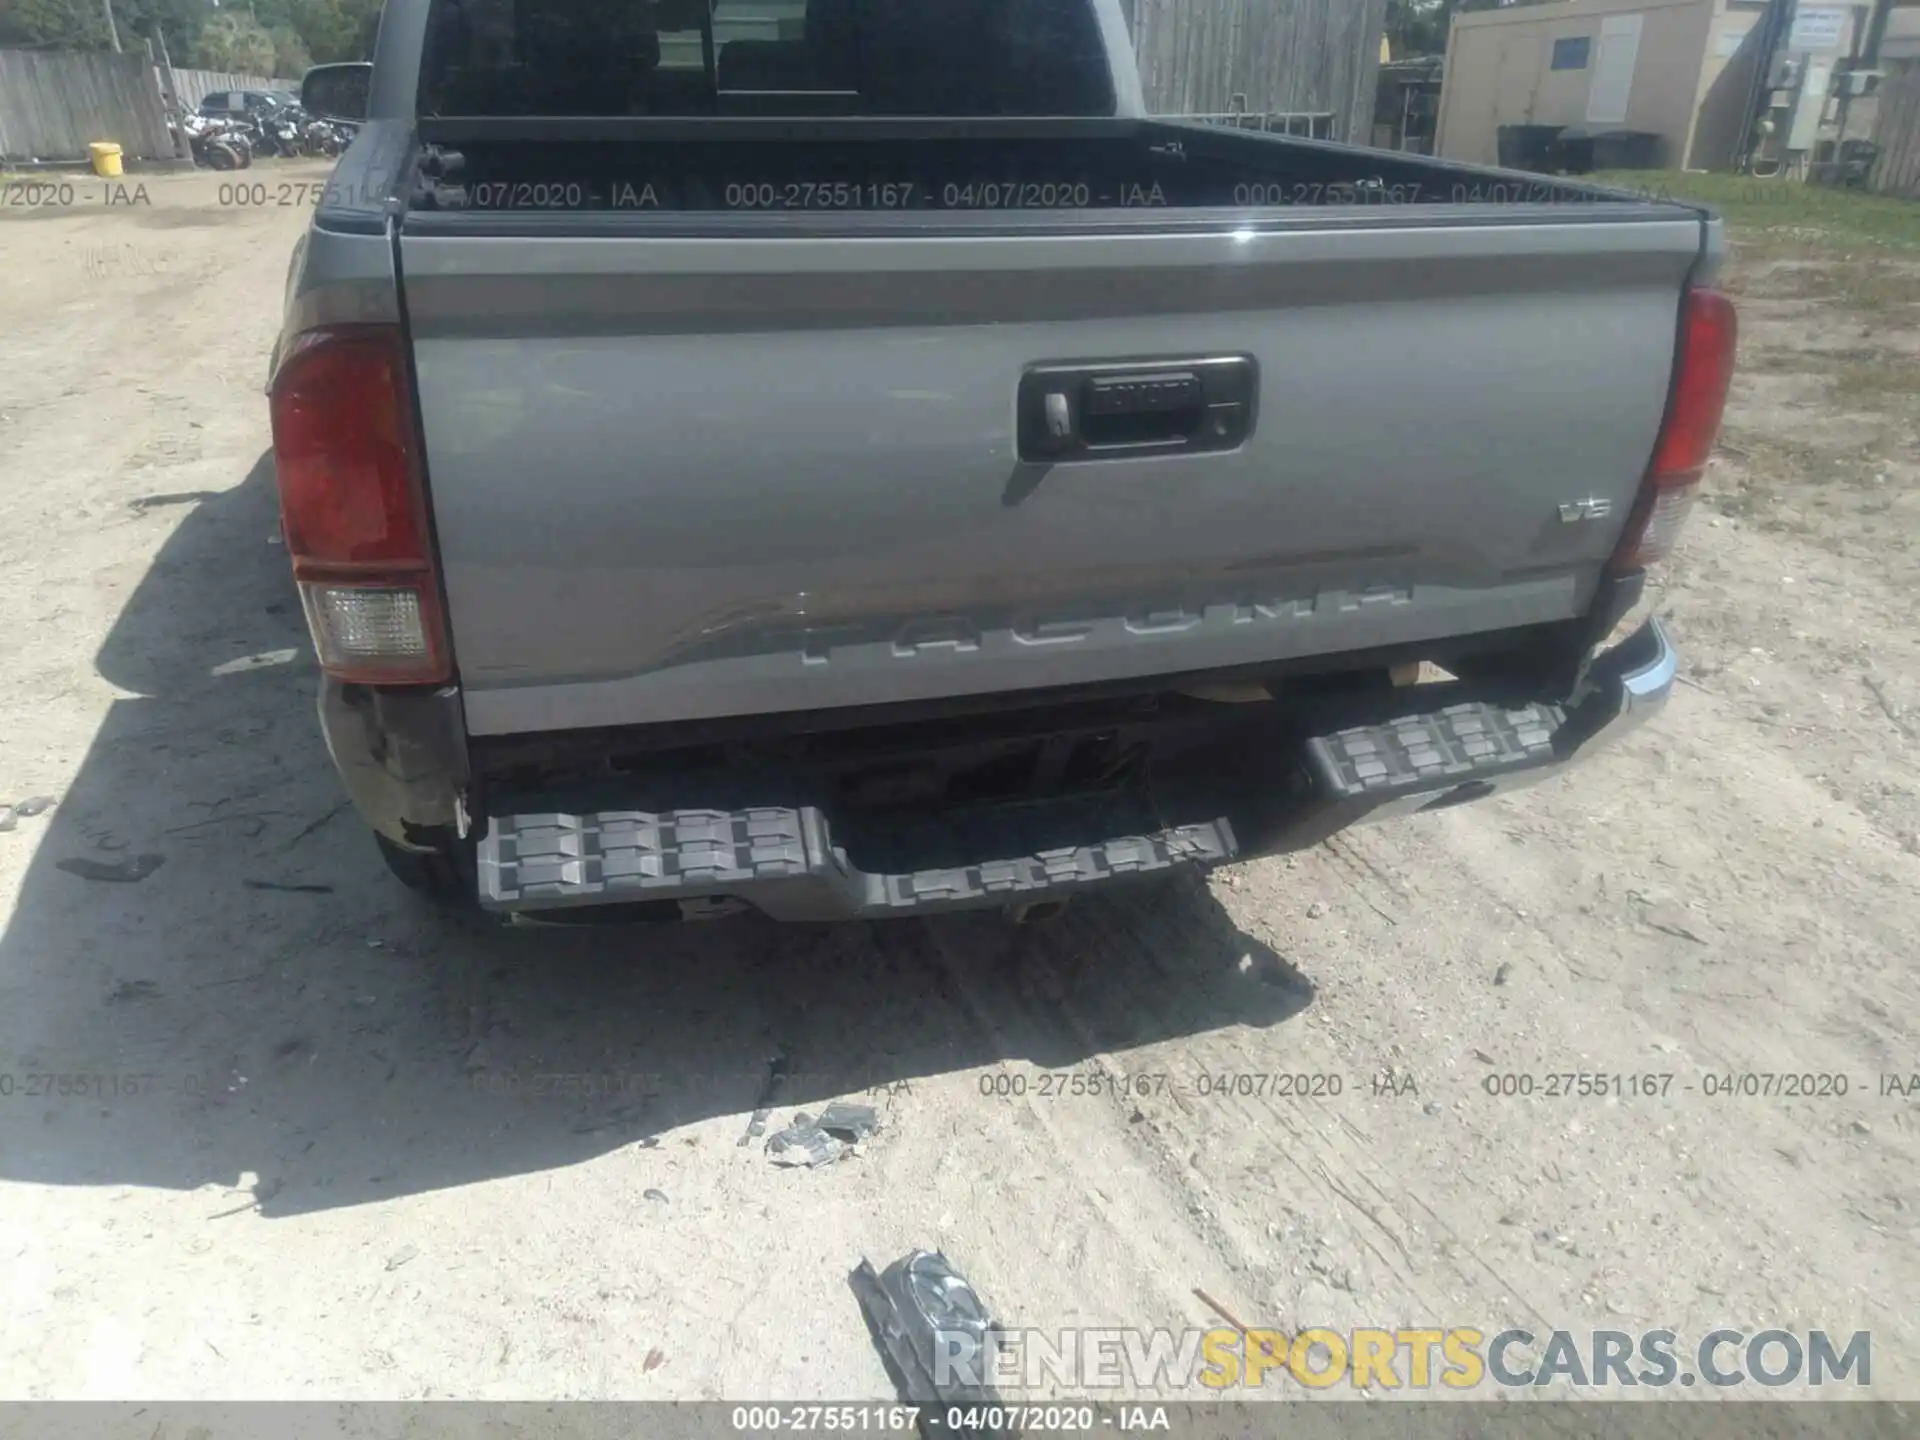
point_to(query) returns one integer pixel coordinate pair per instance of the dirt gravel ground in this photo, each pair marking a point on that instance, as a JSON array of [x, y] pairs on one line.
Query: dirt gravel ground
[[342, 1180]]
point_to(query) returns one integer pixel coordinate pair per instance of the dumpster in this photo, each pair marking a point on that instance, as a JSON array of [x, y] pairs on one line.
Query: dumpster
[[1626, 150], [1526, 147]]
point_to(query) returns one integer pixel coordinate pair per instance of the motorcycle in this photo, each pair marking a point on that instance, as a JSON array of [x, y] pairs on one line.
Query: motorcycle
[[323, 137], [215, 144], [271, 134], [284, 135]]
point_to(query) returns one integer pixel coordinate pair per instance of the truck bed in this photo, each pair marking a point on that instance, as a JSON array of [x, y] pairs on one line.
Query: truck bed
[[743, 417]]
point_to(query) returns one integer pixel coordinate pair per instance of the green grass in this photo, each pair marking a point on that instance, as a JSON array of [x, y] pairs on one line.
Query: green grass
[[1872, 282], [1787, 213]]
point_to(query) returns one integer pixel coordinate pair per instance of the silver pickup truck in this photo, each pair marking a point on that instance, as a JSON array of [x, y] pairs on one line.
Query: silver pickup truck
[[844, 458]]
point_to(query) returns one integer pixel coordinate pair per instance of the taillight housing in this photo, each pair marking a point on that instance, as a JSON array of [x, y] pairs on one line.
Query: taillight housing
[[354, 509], [1702, 373]]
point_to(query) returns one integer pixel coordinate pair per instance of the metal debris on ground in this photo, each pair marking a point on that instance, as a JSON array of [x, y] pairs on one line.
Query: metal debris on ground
[[849, 1122], [807, 1141], [803, 1142], [905, 1307], [656, 1195]]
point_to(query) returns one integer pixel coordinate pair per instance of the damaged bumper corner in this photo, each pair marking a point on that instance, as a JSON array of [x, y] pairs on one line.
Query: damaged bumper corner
[[1624, 688], [402, 754]]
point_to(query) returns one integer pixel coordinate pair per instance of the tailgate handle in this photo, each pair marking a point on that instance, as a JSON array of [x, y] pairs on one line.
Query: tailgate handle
[[1122, 408], [1171, 392], [1124, 411]]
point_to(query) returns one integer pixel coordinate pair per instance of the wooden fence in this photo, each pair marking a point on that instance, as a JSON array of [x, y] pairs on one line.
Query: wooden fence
[[1261, 56], [1896, 130], [54, 103]]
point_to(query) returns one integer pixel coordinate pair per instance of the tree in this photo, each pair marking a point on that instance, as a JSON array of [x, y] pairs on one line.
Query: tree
[[330, 29], [235, 42], [290, 57], [1419, 27], [369, 30], [283, 36], [177, 22], [75, 24], [81, 24]]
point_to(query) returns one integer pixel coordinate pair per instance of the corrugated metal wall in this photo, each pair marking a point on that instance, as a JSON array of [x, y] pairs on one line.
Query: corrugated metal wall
[[1896, 130], [195, 85], [1281, 55], [53, 103]]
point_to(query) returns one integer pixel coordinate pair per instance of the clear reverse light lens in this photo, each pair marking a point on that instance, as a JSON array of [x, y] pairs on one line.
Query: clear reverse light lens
[[1664, 523], [355, 627]]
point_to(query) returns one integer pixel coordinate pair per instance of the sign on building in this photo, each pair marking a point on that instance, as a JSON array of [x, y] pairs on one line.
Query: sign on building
[[1817, 28]]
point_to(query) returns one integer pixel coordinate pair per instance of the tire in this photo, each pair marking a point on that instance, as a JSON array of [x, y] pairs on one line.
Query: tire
[[222, 157], [436, 874]]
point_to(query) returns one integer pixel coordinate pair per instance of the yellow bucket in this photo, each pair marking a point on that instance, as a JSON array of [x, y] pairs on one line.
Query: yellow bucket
[[106, 158]]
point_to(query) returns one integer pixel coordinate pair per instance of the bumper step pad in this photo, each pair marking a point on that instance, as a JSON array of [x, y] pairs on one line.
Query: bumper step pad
[[1420, 754], [783, 862]]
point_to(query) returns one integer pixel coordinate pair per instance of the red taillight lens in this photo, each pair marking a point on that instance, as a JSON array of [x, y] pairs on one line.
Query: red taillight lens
[[1708, 335], [353, 507]]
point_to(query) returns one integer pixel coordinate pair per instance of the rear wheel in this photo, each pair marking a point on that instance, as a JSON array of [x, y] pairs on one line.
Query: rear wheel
[[437, 873]]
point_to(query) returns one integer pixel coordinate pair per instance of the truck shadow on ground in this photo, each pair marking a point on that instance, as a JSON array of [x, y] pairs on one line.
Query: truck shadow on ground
[[211, 979]]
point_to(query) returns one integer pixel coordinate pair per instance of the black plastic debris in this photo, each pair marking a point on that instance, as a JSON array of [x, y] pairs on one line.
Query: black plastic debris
[[763, 1106], [807, 1141], [849, 1122], [125, 872], [934, 1335], [803, 1142], [34, 805]]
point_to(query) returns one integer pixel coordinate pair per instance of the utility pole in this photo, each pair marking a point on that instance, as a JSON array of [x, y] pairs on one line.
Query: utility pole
[[170, 93], [113, 31], [1869, 31]]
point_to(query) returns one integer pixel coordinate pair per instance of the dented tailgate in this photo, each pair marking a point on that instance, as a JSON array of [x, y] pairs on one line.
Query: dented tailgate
[[676, 477]]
